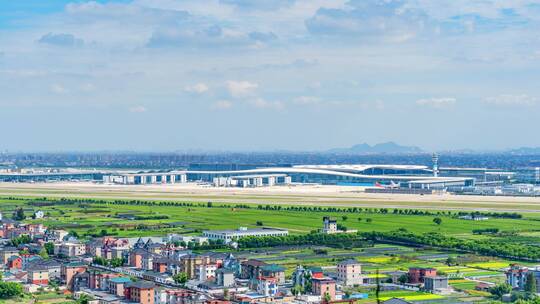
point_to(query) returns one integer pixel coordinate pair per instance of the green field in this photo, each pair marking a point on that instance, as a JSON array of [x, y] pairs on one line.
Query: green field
[[93, 217]]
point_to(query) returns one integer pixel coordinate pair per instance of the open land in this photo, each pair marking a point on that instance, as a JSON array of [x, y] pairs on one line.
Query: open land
[[314, 195], [93, 211]]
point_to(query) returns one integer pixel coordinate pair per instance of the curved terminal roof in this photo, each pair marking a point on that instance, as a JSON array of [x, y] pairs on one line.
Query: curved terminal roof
[[362, 168], [333, 172]]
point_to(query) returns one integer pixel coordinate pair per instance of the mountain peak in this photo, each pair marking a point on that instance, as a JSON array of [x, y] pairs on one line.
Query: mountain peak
[[383, 148]]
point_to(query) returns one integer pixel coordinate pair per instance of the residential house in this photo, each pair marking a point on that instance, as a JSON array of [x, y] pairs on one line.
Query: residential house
[[437, 283], [38, 275], [251, 269], [207, 272], [15, 263], [69, 270], [267, 286], [274, 271], [225, 277], [324, 287], [51, 265], [349, 272], [6, 253], [70, 249], [417, 274], [116, 285], [140, 292]]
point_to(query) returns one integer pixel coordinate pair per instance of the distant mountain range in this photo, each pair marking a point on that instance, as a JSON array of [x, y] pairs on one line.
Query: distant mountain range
[[526, 150], [382, 148]]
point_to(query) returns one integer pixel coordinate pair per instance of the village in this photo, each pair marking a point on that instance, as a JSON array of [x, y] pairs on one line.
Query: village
[[159, 270]]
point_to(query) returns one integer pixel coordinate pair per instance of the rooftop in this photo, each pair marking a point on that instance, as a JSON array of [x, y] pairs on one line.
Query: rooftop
[[349, 262], [273, 268], [120, 280], [140, 284]]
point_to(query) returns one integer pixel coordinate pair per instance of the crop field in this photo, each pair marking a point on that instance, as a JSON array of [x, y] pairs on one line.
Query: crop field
[[89, 218]]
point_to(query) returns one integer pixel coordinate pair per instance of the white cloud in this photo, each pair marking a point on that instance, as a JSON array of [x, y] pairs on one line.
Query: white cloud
[[239, 89], [138, 109], [437, 102], [67, 40], [197, 88], [307, 100], [262, 103], [58, 89], [511, 100], [222, 105]]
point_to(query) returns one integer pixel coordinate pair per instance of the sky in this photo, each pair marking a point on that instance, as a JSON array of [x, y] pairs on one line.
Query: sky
[[262, 75]]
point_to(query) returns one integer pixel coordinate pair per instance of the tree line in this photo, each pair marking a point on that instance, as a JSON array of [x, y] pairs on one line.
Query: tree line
[[435, 239], [340, 240], [268, 207]]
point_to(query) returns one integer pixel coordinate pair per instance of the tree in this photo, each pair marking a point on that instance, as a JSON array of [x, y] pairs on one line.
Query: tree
[[297, 289], [180, 278], [10, 290], [84, 299], [23, 239], [499, 290], [327, 298], [116, 262], [403, 279], [18, 215], [344, 218], [451, 261], [437, 220], [49, 247], [43, 253], [259, 223], [341, 227], [530, 284]]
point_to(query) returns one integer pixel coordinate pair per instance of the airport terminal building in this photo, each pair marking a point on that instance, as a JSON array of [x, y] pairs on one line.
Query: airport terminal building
[[411, 176]]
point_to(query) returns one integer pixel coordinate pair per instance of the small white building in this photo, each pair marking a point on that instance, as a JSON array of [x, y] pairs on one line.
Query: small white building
[[173, 237], [228, 236], [39, 214]]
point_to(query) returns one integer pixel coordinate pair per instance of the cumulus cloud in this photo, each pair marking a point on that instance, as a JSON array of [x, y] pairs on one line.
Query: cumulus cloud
[[138, 109], [67, 40], [367, 18], [437, 102], [511, 100], [240, 89], [198, 88]]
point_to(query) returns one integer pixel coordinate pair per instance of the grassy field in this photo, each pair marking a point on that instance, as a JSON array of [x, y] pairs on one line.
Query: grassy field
[[300, 195], [91, 217]]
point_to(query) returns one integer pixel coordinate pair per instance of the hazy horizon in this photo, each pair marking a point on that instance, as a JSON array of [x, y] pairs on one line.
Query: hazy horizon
[[298, 75]]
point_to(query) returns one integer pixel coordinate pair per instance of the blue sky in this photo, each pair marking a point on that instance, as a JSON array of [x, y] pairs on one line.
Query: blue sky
[[165, 75]]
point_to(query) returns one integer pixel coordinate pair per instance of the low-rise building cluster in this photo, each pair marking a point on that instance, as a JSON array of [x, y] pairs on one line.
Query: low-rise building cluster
[[156, 270]]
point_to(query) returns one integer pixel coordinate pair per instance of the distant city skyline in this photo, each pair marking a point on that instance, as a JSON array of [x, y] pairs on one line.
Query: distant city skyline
[[299, 75]]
